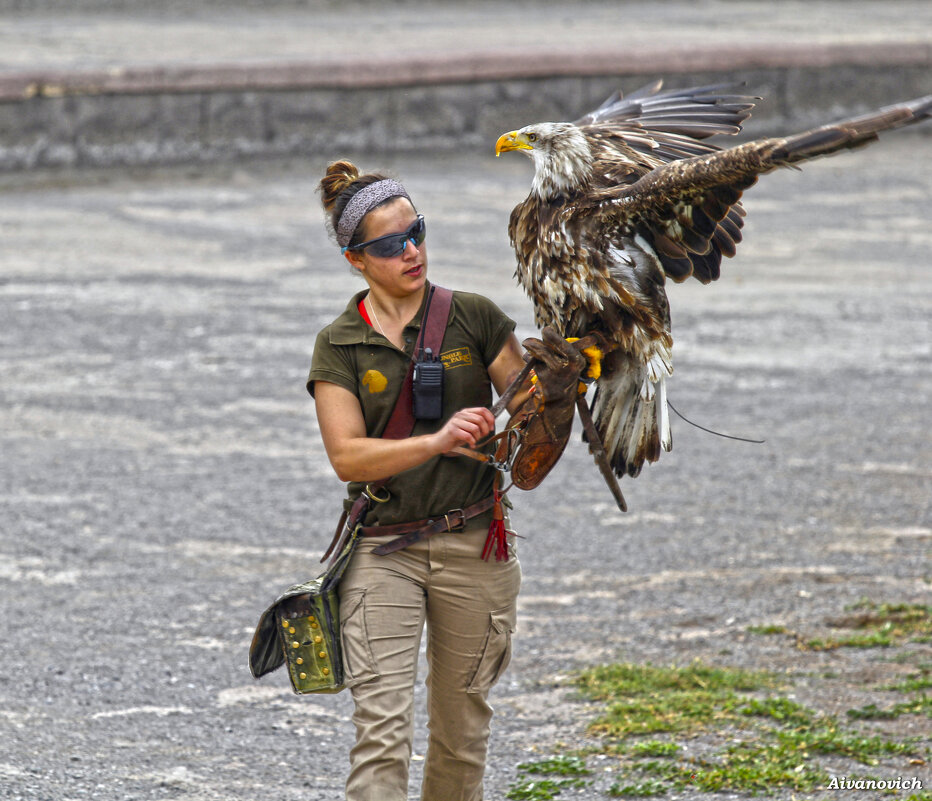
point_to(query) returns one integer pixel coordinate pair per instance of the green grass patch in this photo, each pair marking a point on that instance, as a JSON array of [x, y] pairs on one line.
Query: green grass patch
[[917, 706], [639, 790], [781, 709], [759, 766], [754, 739], [557, 766], [915, 683], [646, 699], [773, 742], [875, 639], [654, 748], [768, 629], [876, 625], [530, 787], [541, 789]]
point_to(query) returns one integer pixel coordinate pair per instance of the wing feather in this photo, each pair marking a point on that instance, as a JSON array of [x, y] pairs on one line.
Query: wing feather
[[715, 103]]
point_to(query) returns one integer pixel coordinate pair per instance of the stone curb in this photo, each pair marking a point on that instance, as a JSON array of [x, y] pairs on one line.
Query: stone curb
[[171, 114], [386, 71]]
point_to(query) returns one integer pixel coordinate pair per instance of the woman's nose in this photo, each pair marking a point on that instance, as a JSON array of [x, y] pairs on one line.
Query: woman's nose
[[404, 252]]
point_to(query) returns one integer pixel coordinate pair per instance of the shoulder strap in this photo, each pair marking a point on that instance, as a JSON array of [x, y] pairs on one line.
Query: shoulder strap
[[401, 423], [433, 326]]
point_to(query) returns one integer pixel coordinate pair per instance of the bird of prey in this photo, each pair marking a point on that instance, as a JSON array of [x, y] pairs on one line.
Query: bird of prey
[[632, 194]]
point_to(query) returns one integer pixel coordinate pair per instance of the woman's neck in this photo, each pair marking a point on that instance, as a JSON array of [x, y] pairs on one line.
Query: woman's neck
[[390, 315]]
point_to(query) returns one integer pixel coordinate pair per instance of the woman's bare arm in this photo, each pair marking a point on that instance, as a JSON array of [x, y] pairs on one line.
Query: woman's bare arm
[[357, 457], [505, 368]]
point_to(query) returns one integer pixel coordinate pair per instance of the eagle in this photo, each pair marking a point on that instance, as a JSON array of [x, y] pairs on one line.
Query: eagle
[[632, 194]]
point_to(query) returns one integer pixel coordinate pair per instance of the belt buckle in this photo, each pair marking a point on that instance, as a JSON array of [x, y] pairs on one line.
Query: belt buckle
[[456, 525]]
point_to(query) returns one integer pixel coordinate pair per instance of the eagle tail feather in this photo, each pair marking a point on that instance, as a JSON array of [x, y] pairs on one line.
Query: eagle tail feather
[[633, 419], [638, 434], [663, 415]]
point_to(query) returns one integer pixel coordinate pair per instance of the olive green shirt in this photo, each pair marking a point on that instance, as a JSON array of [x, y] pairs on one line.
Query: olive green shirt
[[355, 356]]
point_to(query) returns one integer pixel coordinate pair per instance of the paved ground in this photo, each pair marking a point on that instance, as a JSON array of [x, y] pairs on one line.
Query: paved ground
[[158, 33], [162, 475]]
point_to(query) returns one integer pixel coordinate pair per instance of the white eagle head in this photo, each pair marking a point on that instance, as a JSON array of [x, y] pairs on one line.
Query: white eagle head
[[562, 157]]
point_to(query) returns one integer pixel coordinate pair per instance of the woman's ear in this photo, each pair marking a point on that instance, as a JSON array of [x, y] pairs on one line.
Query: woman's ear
[[355, 260]]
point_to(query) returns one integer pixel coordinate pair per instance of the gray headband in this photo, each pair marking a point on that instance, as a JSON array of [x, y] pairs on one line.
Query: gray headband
[[362, 203]]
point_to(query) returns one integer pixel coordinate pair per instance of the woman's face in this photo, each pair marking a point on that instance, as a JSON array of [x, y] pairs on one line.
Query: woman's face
[[397, 276]]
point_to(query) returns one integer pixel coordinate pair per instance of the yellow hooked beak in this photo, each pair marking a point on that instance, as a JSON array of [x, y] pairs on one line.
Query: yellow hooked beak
[[513, 140]]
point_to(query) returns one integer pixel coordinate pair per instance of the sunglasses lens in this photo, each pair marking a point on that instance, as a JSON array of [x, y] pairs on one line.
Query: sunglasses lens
[[389, 246], [418, 231]]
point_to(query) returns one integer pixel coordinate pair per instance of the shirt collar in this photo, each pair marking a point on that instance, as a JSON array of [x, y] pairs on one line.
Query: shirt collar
[[350, 329]]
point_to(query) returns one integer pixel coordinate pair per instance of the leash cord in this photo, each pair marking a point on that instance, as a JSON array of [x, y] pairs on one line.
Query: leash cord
[[710, 431]]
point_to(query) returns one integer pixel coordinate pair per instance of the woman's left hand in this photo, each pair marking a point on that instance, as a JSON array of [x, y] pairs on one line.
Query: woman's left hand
[[465, 427]]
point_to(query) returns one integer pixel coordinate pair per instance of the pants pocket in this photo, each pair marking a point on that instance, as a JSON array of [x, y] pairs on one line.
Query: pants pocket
[[359, 664], [496, 651]]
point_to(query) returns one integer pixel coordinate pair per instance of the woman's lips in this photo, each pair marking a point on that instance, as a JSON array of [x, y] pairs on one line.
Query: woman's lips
[[414, 272]]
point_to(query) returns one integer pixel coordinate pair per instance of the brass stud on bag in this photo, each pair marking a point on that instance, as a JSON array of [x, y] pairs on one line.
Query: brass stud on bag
[[318, 639], [322, 654], [291, 630], [295, 644], [325, 671], [313, 625], [285, 624], [302, 675], [299, 661]]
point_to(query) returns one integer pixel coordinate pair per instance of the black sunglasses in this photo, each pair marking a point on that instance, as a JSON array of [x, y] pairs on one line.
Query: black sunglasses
[[385, 247]]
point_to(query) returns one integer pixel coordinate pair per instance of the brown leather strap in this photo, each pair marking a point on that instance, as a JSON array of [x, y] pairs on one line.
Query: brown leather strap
[[336, 536], [598, 451], [346, 525], [433, 326], [421, 529]]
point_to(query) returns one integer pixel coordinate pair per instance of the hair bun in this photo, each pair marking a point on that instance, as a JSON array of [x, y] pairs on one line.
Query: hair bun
[[340, 174]]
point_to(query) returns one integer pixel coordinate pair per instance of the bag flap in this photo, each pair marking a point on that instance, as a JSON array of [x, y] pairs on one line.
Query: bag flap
[[265, 650]]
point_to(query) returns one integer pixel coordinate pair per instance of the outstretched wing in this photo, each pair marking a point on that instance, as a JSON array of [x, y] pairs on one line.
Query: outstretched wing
[[631, 136], [663, 126], [685, 209]]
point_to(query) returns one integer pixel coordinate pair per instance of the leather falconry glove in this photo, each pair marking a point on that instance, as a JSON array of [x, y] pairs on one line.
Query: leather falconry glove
[[546, 418]]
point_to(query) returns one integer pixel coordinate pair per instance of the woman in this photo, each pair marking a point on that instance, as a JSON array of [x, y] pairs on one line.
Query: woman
[[468, 603]]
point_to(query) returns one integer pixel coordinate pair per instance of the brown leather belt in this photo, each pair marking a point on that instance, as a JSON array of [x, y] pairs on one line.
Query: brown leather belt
[[453, 520]]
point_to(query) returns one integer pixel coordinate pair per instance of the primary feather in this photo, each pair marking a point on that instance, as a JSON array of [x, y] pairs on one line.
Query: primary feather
[[632, 194]]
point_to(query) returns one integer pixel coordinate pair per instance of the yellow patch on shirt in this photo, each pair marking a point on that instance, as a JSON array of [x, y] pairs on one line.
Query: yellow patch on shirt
[[461, 357], [375, 381]]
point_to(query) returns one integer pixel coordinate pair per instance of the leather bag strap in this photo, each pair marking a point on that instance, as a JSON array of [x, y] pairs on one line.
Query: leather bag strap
[[433, 326]]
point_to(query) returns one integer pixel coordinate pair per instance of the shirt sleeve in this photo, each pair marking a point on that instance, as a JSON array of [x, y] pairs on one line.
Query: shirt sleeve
[[332, 363], [494, 327]]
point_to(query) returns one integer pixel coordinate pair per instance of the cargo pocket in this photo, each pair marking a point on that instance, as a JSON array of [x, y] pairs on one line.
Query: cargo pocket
[[358, 662], [496, 652]]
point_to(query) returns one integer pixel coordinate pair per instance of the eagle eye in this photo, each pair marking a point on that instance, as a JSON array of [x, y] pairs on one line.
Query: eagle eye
[[532, 137]]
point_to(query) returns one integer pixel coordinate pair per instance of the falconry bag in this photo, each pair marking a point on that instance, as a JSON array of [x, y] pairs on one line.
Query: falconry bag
[[302, 626]]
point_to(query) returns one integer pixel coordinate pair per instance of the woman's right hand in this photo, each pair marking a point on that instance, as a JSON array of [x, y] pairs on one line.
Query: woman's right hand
[[466, 427]]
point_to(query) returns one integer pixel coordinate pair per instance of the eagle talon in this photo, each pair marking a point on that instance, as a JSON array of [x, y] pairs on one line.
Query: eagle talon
[[594, 355]]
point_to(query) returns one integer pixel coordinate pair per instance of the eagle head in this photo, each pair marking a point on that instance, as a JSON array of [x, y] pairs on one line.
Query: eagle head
[[562, 156]]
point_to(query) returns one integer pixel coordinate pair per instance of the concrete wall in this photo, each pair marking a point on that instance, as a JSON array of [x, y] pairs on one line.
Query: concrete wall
[[151, 117]]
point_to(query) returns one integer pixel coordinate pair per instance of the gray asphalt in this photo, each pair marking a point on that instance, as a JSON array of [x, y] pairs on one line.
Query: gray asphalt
[[163, 477]]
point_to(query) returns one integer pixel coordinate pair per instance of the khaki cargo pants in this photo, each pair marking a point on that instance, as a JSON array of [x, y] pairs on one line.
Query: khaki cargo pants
[[469, 606]]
